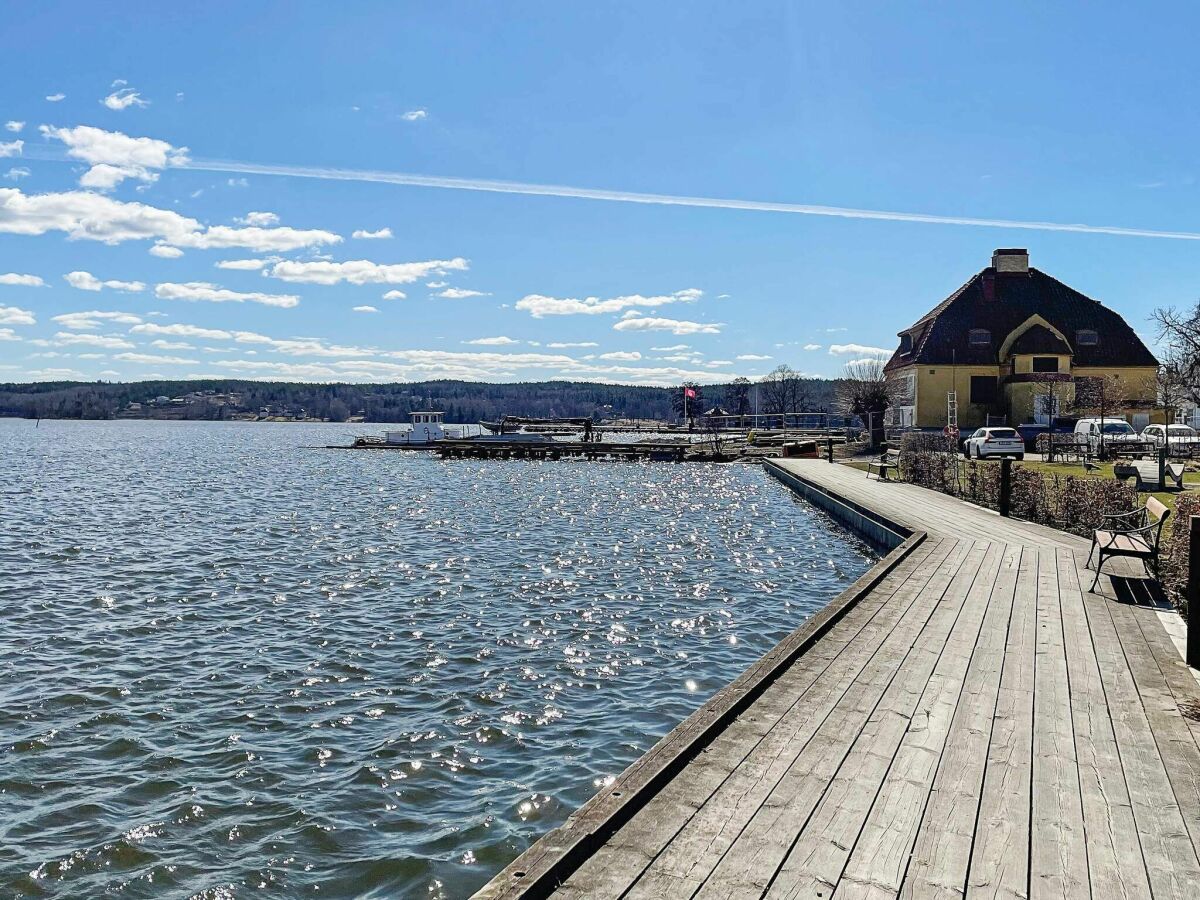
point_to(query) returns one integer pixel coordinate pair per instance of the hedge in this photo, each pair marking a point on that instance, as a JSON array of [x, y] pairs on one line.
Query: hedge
[[1068, 502], [1174, 566]]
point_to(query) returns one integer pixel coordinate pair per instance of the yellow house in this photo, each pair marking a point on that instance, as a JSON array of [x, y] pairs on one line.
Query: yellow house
[[1012, 345]]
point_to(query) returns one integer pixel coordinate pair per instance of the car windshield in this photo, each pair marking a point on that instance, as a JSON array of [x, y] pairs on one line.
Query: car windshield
[[1002, 433], [1118, 428]]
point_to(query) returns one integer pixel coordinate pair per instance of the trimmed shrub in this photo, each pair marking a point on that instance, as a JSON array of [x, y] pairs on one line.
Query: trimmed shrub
[[925, 442], [1174, 567]]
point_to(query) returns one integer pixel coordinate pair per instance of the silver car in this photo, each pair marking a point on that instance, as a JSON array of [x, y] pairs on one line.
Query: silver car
[[994, 442]]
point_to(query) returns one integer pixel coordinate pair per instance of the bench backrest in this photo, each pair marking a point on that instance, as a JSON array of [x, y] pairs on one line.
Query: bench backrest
[[1158, 509], [893, 456]]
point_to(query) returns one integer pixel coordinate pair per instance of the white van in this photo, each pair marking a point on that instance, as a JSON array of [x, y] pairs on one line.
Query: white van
[[1115, 432]]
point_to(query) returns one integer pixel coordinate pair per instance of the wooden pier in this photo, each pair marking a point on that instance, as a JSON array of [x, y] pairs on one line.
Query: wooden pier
[[553, 450], [965, 720]]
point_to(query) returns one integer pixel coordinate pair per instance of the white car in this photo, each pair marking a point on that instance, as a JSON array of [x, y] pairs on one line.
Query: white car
[[1182, 439], [994, 442]]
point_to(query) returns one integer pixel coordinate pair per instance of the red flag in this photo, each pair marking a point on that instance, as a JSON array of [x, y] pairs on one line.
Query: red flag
[[690, 393]]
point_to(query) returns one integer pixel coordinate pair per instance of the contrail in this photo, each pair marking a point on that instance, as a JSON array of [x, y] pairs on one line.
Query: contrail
[[558, 190]]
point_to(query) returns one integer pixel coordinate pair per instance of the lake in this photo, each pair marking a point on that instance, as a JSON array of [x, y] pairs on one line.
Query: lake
[[234, 665]]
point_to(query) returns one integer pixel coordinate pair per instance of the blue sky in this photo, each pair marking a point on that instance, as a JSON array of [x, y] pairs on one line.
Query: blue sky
[[157, 148]]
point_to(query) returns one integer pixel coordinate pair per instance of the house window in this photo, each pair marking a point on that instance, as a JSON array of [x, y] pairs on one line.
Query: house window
[[1045, 364], [1086, 337], [983, 389], [979, 337], [906, 343]]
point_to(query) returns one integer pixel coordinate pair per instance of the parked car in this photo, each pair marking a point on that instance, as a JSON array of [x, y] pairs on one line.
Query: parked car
[[1181, 440], [1029, 431], [994, 442], [1115, 433]]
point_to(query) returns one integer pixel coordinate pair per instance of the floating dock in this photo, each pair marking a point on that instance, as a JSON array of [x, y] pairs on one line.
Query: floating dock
[[497, 448], [967, 719]]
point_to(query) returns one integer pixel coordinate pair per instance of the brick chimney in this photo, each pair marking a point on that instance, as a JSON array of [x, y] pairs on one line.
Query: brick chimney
[[1011, 260]]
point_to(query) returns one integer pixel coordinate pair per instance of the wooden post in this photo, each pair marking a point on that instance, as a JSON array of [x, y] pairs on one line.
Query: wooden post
[[829, 445], [1162, 468], [1005, 485], [1193, 593]]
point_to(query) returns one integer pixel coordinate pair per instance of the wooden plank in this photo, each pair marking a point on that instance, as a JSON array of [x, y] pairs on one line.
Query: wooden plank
[[848, 644], [701, 844], [1170, 858], [762, 845], [1115, 865], [1058, 866], [1176, 743], [1000, 857], [942, 851], [857, 840]]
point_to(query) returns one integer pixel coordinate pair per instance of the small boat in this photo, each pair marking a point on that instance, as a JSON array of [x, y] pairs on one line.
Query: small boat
[[427, 428]]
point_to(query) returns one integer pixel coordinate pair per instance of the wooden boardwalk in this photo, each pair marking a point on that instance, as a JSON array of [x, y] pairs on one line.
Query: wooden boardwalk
[[966, 720]]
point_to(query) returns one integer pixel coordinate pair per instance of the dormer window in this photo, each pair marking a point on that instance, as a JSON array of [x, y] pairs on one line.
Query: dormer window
[[906, 343], [1086, 337], [979, 337]]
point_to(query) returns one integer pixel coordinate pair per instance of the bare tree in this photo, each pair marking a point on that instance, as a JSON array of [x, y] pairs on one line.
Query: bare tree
[[1048, 393], [1101, 395], [865, 392], [1179, 332], [1171, 386], [784, 390]]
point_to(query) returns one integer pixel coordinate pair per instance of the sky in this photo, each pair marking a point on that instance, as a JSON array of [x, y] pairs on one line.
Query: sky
[[618, 192]]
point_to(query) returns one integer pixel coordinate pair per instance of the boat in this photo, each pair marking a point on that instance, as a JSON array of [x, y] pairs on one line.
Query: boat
[[426, 427]]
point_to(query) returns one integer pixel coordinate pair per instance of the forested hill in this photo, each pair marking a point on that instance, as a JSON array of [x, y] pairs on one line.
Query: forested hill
[[462, 401]]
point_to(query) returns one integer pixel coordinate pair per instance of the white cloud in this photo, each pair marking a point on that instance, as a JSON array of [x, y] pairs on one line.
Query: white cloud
[[634, 321], [812, 347], [108, 342], [857, 349], [16, 173], [219, 237], [114, 156], [13, 278], [499, 341], [361, 271], [164, 252], [7, 334], [83, 215], [460, 294], [562, 345], [55, 98], [12, 148], [365, 309], [86, 281], [171, 345], [181, 330], [246, 265], [151, 359], [414, 115], [751, 357], [540, 306], [259, 219], [835, 330], [395, 295], [237, 182], [672, 349], [13, 125], [381, 234], [203, 290], [53, 374], [123, 98], [91, 320], [622, 356], [14, 315], [718, 363], [434, 285]]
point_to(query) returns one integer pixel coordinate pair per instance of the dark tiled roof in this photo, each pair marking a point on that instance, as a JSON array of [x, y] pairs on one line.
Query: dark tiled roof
[[1039, 339], [941, 336]]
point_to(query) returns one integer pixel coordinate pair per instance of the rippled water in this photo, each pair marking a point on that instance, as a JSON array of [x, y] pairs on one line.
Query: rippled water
[[232, 666]]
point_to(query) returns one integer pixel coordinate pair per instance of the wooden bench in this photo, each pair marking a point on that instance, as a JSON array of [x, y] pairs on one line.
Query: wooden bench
[[1146, 474], [1134, 534], [888, 461]]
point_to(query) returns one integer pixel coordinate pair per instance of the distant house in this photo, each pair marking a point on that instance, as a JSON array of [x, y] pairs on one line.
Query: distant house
[[1008, 341]]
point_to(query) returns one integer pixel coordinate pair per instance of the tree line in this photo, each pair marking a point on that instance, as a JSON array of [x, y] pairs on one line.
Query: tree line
[[783, 390]]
